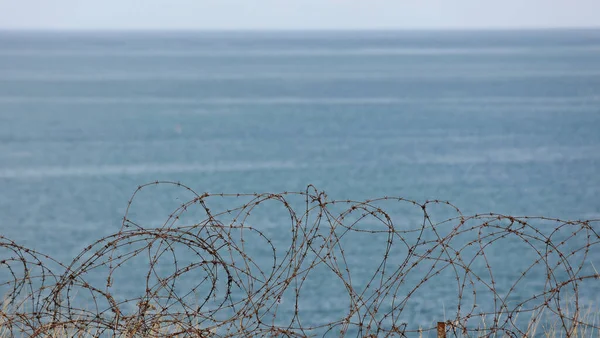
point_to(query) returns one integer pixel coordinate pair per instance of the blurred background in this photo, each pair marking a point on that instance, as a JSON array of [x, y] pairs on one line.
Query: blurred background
[[500, 121]]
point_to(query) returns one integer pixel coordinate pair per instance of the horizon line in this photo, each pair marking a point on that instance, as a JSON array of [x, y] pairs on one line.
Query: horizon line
[[296, 30]]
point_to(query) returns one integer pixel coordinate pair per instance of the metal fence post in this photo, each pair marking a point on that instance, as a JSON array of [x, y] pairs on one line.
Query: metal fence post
[[441, 330]]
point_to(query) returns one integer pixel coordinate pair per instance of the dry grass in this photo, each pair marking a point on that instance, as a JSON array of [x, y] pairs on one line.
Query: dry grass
[[157, 326]]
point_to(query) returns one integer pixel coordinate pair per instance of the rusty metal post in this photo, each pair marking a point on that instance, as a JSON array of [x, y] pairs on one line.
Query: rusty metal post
[[441, 330]]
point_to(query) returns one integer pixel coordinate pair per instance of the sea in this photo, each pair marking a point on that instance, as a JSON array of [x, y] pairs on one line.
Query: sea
[[505, 122]]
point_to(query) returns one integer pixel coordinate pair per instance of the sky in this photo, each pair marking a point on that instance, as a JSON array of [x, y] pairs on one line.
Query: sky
[[297, 14]]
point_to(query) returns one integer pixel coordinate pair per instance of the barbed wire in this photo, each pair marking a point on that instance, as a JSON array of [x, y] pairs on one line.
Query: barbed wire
[[226, 275]]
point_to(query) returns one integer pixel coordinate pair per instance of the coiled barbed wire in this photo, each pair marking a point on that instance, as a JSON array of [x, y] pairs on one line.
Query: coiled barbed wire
[[224, 276]]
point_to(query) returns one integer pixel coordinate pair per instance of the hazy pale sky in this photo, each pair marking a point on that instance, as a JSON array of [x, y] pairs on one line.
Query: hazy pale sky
[[297, 14]]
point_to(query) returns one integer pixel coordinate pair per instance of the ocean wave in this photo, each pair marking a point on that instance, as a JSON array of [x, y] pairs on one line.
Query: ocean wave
[[317, 52], [294, 100], [144, 168]]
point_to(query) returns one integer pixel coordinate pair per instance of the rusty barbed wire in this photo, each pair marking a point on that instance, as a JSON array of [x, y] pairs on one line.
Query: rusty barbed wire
[[226, 275]]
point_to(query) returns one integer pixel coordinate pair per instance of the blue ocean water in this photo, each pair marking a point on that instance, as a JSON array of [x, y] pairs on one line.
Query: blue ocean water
[[505, 122]]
